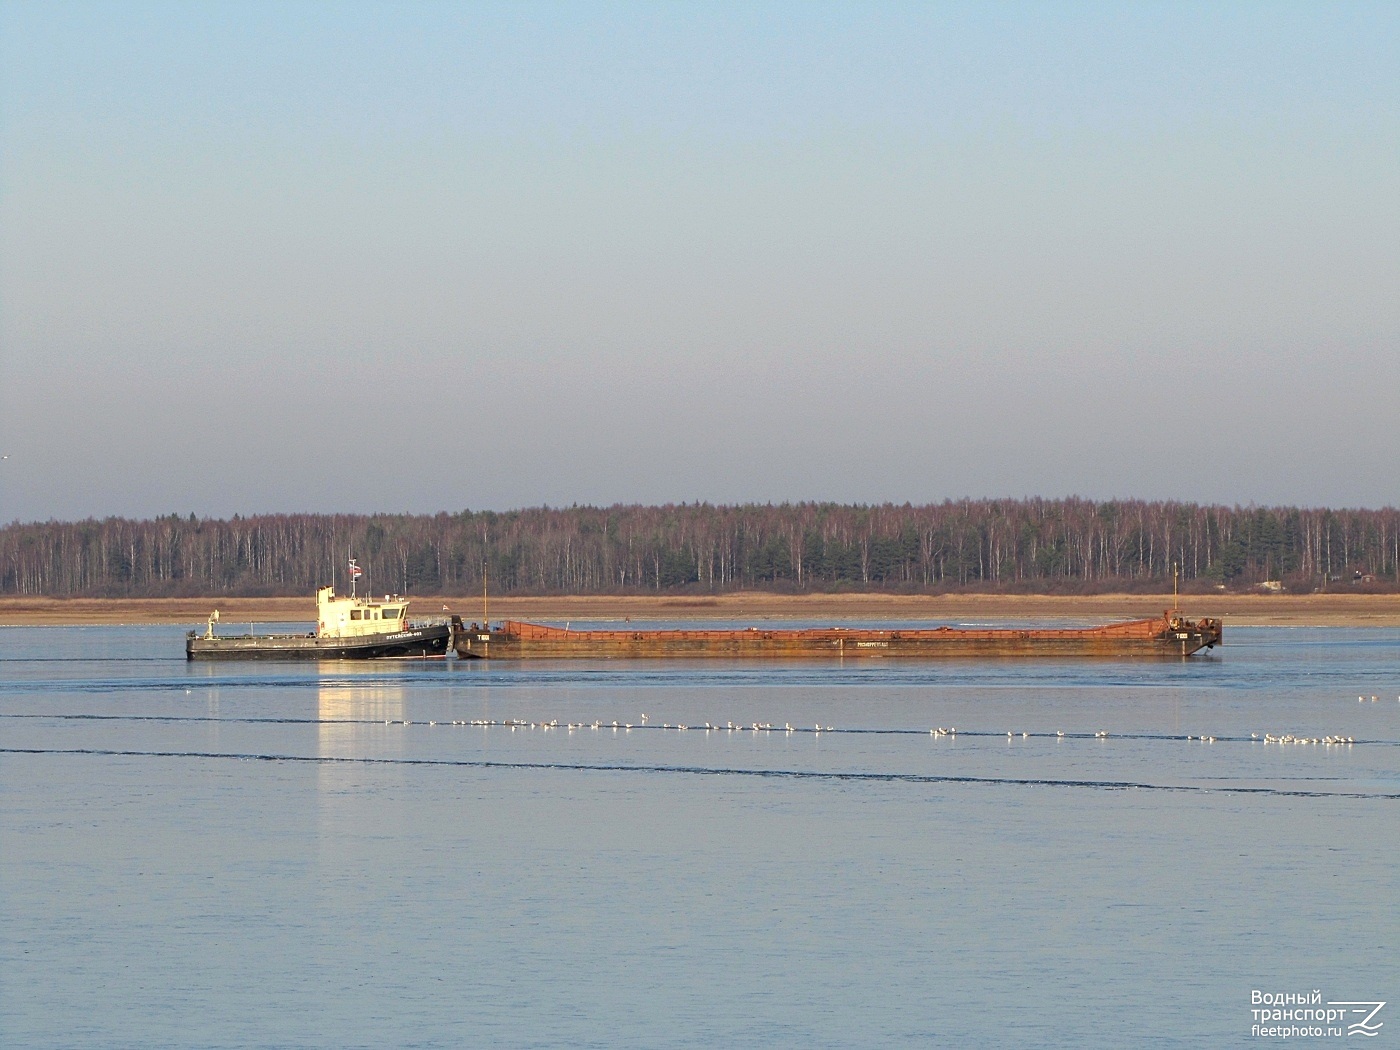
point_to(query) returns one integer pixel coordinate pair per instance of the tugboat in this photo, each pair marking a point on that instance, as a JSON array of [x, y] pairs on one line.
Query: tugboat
[[350, 628]]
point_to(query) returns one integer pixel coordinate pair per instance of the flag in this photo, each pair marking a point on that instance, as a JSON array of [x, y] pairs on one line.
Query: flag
[[355, 571]]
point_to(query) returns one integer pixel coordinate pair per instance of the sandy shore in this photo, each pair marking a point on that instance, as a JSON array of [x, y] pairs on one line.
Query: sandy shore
[[1329, 610]]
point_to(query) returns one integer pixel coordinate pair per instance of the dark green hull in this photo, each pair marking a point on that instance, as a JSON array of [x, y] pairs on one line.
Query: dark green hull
[[431, 640]]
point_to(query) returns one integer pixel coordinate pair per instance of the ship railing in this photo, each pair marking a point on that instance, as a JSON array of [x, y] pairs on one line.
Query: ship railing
[[434, 620]]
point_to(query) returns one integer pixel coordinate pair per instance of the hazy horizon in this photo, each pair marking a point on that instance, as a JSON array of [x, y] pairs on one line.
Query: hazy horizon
[[260, 258]]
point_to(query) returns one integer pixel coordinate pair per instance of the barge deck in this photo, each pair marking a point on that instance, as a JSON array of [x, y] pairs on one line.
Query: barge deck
[[1170, 635]]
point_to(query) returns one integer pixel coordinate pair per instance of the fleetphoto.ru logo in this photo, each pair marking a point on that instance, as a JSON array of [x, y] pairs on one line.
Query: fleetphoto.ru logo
[[1303, 1015]]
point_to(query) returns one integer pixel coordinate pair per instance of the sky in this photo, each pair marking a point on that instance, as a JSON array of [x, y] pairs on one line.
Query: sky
[[415, 257]]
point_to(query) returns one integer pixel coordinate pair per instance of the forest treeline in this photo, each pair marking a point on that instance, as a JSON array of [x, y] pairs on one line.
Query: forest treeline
[[1040, 545]]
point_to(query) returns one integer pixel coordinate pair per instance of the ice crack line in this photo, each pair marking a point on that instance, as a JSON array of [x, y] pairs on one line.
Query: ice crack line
[[790, 774]]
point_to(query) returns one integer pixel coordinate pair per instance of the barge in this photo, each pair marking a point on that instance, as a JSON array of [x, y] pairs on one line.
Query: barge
[[1170, 635], [350, 628]]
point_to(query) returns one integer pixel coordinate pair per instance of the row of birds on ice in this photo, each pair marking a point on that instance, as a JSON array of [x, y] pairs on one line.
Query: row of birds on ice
[[787, 727], [521, 723]]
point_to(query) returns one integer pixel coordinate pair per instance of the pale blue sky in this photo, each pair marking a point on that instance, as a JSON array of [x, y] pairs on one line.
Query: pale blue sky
[[424, 257]]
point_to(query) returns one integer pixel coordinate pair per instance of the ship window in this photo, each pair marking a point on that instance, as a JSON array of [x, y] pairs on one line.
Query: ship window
[[354, 614], [392, 614]]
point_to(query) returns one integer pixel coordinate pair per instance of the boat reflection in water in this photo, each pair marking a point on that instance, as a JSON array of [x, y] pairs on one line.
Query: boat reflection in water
[[352, 712]]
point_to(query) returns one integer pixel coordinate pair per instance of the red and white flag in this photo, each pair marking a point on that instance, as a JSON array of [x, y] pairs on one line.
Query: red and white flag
[[355, 571]]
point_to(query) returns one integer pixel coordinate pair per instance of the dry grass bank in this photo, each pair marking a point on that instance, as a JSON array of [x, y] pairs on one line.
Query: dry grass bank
[[1339, 610]]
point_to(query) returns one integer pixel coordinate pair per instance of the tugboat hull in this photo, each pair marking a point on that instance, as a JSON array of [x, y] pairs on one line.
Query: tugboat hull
[[431, 640]]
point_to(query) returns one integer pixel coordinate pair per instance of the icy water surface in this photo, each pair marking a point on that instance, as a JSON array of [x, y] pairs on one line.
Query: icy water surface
[[456, 854]]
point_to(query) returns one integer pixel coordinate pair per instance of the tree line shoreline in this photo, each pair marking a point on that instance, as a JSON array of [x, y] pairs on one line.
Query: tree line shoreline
[[740, 608], [1003, 546]]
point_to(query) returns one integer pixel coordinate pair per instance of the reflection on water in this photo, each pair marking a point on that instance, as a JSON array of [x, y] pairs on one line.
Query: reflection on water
[[352, 717], [352, 721], [344, 708]]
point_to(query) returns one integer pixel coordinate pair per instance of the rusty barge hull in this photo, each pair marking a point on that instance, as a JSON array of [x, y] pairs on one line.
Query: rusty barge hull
[[1169, 635]]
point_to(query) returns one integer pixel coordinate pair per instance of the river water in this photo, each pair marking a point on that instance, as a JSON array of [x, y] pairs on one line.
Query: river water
[[236, 855]]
